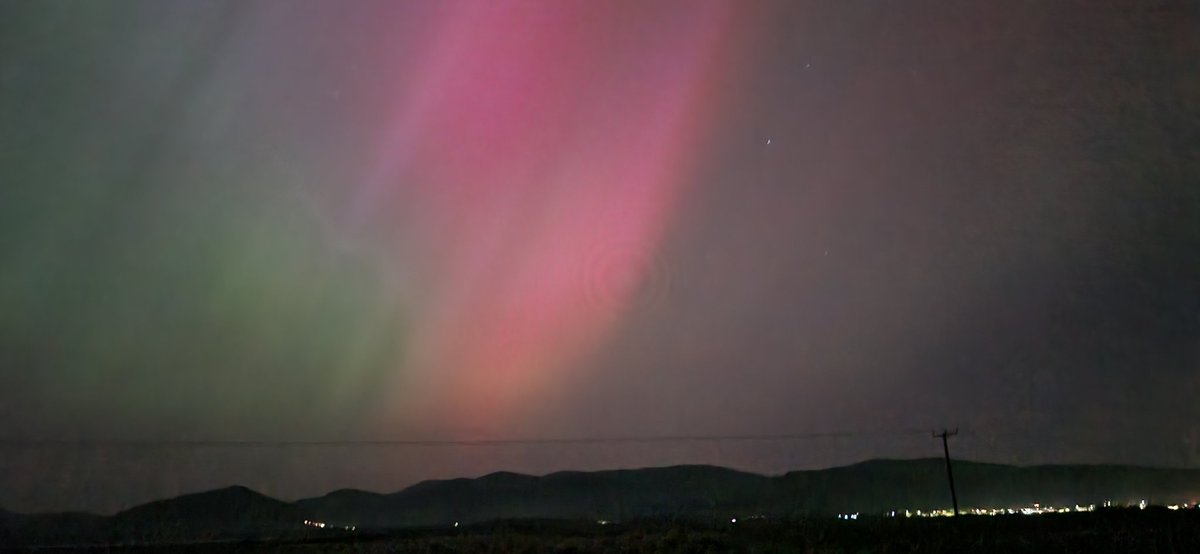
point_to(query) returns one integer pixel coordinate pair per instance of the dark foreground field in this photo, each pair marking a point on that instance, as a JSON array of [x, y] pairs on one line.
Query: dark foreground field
[[1151, 530]]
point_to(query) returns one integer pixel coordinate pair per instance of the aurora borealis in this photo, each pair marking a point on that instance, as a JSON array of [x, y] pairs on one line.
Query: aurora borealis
[[471, 220]]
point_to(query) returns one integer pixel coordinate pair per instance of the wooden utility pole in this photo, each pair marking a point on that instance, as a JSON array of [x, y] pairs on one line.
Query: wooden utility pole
[[949, 472]]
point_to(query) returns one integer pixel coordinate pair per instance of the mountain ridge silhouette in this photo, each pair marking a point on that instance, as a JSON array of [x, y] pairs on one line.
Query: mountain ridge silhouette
[[872, 487]]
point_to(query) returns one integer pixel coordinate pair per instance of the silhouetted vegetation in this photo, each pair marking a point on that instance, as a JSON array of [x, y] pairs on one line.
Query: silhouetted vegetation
[[1115, 530]]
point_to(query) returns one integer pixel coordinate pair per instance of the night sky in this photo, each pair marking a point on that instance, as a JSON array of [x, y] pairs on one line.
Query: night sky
[[474, 220]]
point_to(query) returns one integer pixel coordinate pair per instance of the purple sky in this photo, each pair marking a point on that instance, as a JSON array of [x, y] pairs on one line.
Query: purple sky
[[470, 220]]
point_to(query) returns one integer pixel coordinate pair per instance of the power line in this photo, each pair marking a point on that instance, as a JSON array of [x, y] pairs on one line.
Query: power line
[[387, 443], [945, 435]]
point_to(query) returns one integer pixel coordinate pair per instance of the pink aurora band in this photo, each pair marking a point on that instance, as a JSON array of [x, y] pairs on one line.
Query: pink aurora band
[[537, 153]]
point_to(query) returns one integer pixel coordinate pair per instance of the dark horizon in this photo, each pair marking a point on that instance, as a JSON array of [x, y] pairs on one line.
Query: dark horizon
[[935, 489], [272, 488]]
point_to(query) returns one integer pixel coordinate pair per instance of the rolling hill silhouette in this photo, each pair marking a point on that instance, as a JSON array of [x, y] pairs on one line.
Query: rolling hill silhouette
[[696, 491], [223, 513]]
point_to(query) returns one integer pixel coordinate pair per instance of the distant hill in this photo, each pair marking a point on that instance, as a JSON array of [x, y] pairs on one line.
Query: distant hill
[[223, 513], [613, 495], [880, 485], [872, 487]]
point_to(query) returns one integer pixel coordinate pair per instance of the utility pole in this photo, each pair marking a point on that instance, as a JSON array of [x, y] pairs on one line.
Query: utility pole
[[949, 472]]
